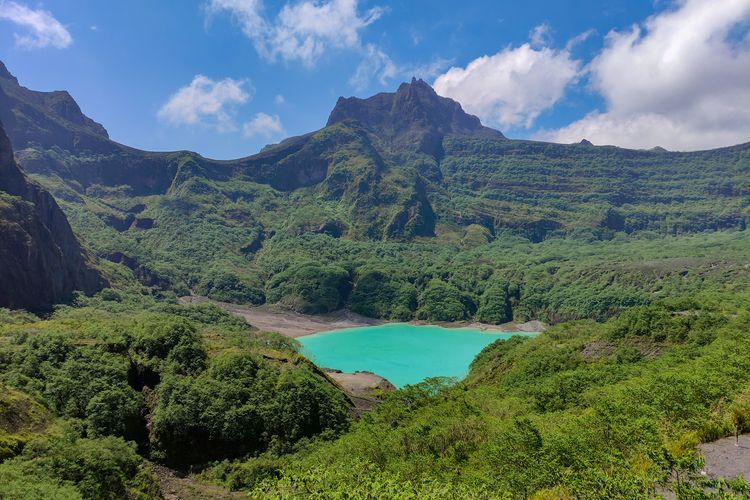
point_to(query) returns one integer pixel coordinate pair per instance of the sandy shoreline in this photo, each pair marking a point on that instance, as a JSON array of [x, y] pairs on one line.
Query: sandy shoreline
[[286, 322], [293, 324]]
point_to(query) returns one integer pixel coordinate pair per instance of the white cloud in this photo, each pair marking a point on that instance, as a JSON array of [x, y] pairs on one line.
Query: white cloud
[[304, 31], [279, 99], [681, 80], [375, 64], [207, 102], [541, 35], [263, 125], [43, 30], [511, 88]]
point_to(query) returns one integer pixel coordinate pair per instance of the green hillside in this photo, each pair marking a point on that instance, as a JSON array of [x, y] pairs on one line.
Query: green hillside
[[586, 410], [403, 187]]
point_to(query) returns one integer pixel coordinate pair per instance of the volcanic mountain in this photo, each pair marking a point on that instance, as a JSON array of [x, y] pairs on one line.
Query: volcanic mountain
[[403, 166]]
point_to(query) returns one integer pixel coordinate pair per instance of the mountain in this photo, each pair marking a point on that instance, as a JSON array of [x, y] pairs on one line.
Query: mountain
[[47, 119], [404, 181], [41, 261]]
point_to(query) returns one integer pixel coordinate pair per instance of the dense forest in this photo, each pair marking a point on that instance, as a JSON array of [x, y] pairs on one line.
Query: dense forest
[[402, 208]]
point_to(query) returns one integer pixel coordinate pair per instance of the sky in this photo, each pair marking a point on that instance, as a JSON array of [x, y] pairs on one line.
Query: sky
[[226, 77]]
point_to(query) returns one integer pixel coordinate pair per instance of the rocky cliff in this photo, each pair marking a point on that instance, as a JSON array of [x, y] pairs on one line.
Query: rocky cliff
[[41, 261]]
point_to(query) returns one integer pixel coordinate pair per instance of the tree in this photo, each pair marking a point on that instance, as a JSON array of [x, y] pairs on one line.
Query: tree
[[494, 305], [310, 288], [441, 301], [378, 294]]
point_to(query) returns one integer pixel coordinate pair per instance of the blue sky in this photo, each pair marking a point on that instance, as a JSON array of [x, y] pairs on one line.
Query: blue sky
[[226, 77]]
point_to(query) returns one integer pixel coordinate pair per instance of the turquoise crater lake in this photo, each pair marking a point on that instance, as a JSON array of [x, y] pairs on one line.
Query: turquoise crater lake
[[400, 352]]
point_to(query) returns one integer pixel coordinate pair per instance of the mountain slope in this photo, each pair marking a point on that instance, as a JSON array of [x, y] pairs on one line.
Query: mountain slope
[[41, 262], [46, 118], [403, 188]]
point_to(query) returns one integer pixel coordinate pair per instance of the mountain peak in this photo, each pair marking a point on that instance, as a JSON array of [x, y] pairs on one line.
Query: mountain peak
[[4, 73], [414, 111], [46, 118]]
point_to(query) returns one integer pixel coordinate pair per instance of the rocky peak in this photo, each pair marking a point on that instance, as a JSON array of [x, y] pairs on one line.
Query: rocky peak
[[4, 73], [413, 112], [47, 119], [62, 104]]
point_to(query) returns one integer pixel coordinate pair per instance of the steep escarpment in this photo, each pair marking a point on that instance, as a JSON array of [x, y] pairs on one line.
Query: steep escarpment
[[41, 261]]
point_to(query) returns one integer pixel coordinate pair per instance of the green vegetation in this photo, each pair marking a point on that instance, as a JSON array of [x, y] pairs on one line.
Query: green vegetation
[[310, 287], [586, 410], [76, 468], [89, 387], [575, 231]]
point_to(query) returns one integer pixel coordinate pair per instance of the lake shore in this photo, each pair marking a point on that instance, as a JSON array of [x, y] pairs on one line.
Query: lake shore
[[294, 325], [363, 388]]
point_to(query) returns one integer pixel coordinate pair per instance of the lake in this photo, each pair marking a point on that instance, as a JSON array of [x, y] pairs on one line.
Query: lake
[[400, 352]]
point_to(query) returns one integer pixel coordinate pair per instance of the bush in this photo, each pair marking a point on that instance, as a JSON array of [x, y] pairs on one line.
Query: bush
[[227, 287], [494, 305], [82, 383], [106, 468], [239, 405], [166, 342]]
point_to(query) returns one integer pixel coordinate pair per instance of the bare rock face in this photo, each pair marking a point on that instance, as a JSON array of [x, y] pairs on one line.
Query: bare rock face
[[415, 114], [41, 261]]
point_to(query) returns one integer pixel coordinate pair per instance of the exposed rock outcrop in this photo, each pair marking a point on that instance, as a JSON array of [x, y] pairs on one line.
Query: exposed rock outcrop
[[41, 261], [414, 109]]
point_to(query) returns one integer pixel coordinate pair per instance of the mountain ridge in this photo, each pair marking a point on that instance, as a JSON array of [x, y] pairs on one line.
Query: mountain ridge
[[381, 172]]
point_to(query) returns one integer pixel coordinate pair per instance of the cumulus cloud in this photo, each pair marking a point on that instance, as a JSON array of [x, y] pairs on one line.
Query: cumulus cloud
[[511, 88], [263, 125], [302, 31], [207, 102], [680, 80], [42, 29]]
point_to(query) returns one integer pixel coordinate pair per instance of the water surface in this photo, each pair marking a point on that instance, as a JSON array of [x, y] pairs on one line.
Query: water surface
[[402, 353]]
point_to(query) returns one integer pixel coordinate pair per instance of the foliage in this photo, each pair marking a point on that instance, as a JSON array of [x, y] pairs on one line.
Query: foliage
[[209, 385], [560, 415], [495, 304], [441, 301], [239, 405], [310, 287], [69, 467], [380, 294], [227, 287]]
